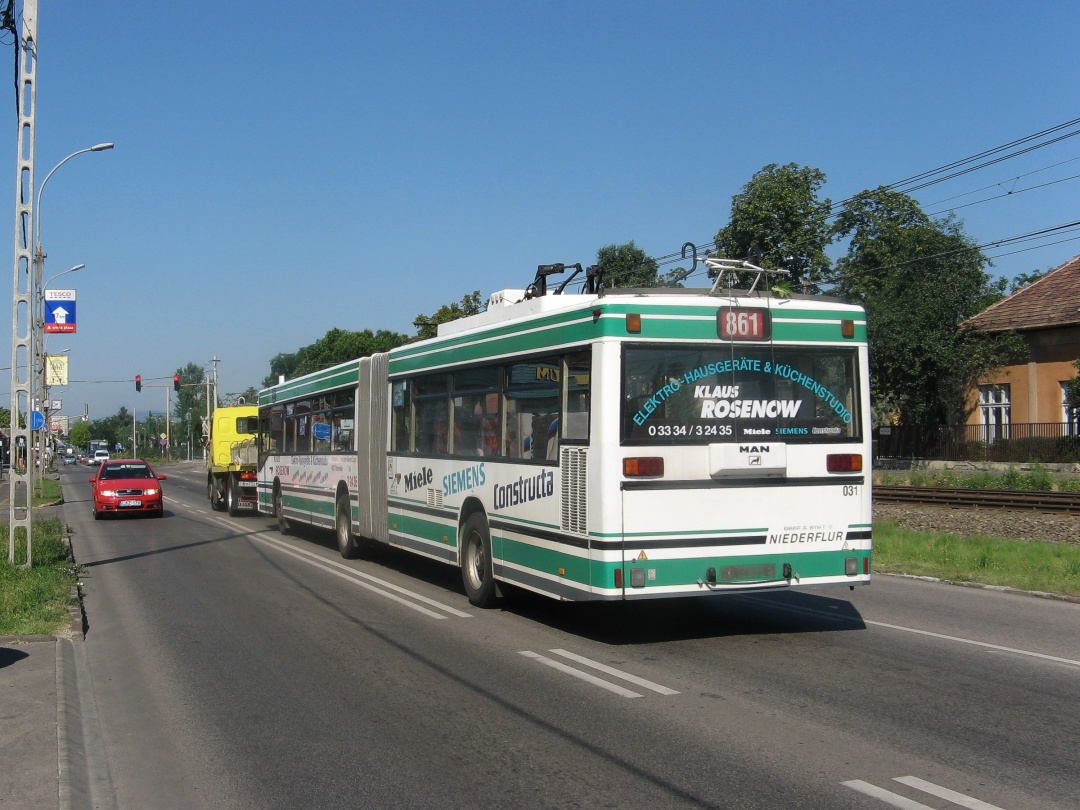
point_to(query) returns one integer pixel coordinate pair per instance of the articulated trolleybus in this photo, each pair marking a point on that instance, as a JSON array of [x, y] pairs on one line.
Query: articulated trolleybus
[[613, 444]]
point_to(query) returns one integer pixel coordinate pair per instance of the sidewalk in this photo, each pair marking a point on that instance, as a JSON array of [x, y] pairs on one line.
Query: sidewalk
[[51, 753], [29, 770]]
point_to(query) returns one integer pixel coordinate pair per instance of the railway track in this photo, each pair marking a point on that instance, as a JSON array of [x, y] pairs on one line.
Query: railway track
[[1058, 502]]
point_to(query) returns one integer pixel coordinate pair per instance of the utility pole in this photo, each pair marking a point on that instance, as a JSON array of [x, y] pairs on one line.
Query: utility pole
[[215, 361], [24, 314]]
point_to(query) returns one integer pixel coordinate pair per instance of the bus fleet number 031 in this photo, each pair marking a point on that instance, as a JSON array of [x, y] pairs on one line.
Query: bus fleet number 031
[[689, 430]]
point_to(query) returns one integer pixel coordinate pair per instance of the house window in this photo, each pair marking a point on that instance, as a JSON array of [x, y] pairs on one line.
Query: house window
[[1067, 416], [994, 409]]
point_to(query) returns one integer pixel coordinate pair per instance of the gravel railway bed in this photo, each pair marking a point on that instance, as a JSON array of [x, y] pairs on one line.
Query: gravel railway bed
[[967, 522]]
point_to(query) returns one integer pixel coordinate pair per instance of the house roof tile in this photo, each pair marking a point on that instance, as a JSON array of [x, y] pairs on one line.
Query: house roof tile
[[1052, 301]]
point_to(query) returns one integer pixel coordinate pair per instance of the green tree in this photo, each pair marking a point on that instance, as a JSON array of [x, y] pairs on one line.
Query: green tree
[[114, 429], [1021, 280], [5, 418], [427, 325], [282, 365], [336, 346], [778, 222], [80, 433], [626, 266], [920, 280], [191, 398]]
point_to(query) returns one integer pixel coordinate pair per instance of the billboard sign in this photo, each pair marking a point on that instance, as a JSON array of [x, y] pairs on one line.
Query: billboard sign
[[56, 370]]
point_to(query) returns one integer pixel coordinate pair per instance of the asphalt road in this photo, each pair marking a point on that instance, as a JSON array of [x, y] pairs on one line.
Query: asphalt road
[[233, 667]]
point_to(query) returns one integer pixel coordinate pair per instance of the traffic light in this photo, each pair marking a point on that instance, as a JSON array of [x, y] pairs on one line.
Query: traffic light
[[138, 382], [175, 382]]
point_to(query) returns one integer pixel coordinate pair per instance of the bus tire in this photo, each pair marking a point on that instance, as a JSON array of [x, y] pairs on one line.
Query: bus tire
[[476, 571], [279, 511], [346, 540], [232, 483]]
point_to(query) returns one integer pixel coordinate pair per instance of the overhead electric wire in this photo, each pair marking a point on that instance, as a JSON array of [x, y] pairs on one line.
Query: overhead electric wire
[[1006, 194], [900, 185], [1002, 182], [675, 258], [975, 168]]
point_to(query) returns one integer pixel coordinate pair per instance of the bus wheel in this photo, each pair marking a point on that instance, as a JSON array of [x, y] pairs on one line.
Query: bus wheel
[[347, 545], [279, 512], [231, 501], [476, 570]]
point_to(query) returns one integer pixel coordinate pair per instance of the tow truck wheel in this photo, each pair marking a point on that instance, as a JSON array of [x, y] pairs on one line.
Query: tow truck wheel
[[232, 497], [213, 491]]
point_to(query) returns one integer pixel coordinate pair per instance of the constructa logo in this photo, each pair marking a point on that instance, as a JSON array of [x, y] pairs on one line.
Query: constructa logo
[[541, 485]]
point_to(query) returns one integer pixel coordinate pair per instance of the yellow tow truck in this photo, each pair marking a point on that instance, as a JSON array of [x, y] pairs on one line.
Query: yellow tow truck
[[232, 458]]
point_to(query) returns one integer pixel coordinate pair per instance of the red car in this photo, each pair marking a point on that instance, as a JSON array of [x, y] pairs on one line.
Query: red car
[[126, 486]]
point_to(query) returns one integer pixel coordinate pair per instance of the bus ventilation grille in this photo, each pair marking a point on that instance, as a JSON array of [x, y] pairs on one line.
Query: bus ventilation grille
[[573, 467], [434, 497]]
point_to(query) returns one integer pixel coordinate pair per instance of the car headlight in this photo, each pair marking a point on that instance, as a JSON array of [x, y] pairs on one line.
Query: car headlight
[[108, 493], [150, 492]]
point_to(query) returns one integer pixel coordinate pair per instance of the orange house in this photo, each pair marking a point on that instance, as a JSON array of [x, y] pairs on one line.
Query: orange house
[[1047, 315]]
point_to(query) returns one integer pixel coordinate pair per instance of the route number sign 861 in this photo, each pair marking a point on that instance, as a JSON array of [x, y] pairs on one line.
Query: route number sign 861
[[743, 323]]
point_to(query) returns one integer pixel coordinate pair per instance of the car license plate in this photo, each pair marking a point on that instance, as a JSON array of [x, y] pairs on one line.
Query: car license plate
[[130, 503]]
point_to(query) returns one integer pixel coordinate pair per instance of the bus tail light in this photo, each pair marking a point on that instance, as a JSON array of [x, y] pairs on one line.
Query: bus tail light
[[843, 462], [618, 578], [847, 329], [643, 467], [633, 322]]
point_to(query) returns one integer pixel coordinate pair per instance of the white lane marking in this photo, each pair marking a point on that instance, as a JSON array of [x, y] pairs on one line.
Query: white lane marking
[[887, 796], [961, 799], [985, 645], [618, 673], [577, 673], [377, 585]]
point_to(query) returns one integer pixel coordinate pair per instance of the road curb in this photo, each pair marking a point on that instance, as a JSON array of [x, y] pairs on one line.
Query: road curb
[[84, 779], [1056, 597]]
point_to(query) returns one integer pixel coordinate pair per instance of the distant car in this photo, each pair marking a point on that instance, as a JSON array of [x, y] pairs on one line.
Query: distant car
[[126, 486], [99, 457], [69, 458]]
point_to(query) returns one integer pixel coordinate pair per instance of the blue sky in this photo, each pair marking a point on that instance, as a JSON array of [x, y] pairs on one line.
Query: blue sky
[[284, 168]]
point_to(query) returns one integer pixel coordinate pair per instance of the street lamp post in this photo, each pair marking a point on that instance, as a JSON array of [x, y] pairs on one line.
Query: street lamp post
[[18, 511]]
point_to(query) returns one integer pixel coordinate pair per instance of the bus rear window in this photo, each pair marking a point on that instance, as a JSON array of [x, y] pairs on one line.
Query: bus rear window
[[707, 394]]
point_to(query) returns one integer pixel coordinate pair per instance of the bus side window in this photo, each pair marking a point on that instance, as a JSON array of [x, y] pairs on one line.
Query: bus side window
[[576, 399]]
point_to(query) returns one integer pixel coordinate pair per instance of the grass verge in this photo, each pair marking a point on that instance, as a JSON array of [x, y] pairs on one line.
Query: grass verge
[[46, 491], [35, 601], [1026, 565]]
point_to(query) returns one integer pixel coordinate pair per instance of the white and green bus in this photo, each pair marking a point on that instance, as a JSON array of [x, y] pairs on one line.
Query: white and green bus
[[609, 445]]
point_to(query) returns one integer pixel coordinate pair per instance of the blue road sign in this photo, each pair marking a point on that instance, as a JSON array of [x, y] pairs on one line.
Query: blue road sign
[[60, 311], [37, 420]]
